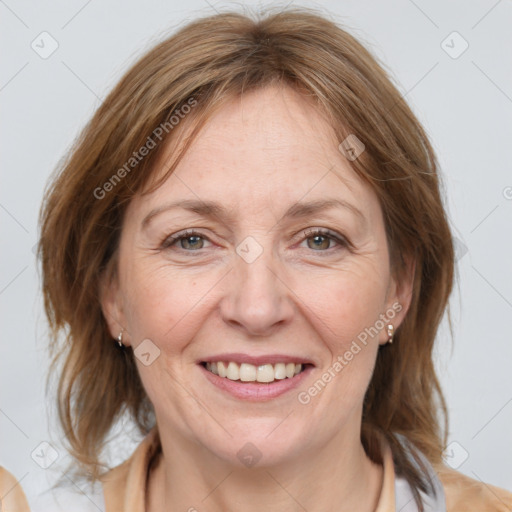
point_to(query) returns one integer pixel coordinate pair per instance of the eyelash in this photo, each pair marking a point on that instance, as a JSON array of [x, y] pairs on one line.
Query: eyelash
[[309, 233]]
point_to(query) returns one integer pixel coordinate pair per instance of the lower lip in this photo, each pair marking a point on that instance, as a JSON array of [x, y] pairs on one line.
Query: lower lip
[[256, 391]]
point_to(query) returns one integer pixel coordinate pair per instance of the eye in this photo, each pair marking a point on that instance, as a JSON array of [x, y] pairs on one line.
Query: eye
[[322, 239], [189, 241], [193, 241]]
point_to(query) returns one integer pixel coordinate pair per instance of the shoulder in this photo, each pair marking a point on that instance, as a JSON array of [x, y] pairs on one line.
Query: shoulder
[[56, 490], [459, 492], [126, 483], [12, 496], [465, 493]]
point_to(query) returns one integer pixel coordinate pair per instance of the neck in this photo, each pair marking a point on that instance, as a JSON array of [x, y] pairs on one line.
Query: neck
[[192, 479]]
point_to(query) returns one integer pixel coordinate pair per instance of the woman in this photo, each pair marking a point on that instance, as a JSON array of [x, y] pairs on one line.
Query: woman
[[249, 252]]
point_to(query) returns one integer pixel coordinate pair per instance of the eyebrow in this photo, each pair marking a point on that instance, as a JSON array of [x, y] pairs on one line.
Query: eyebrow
[[216, 210]]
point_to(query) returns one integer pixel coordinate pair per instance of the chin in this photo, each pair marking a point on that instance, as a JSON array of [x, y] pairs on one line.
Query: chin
[[261, 446]]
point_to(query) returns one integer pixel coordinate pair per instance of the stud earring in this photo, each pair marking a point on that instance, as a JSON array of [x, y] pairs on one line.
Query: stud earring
[[390, 330], [120, 338]]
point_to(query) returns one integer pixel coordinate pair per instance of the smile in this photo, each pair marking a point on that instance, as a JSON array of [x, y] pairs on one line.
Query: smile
[[256, 377], [246, 372]]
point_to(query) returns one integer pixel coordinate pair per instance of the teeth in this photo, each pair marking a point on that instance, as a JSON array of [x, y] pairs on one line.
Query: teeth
[[265, 373], [233, 371], [221, 369], [280, 371], [250, 373], [290, 370]]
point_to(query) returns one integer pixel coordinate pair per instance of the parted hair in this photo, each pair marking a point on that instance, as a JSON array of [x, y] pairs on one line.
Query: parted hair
[[204, 64]]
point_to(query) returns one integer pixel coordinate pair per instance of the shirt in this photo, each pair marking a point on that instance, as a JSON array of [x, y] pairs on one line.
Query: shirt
[[123, 489]]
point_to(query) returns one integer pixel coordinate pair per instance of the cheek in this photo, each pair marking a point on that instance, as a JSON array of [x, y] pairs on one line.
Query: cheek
[[344, 313], [346, 304], [163, 305]]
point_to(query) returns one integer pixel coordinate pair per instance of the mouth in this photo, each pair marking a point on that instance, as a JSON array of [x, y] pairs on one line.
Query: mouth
[[259, 380], [248, 373]]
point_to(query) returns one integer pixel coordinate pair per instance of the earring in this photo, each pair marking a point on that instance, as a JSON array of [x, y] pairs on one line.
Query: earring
[[120, 338], [390, 330]]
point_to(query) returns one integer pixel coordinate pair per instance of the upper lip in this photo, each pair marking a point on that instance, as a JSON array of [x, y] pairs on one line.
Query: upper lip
[[256, 360]]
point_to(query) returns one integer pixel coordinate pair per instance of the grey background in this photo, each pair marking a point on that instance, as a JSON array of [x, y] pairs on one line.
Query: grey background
[[465, 104]]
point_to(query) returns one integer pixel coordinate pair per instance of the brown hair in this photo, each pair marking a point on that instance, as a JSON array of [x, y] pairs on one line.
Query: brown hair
[[211, 60]]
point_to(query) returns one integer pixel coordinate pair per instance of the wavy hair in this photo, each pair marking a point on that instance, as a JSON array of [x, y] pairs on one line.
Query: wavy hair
[[212, 60]]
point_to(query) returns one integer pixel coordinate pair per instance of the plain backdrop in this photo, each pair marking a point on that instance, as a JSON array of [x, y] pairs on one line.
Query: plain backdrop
[[450, 59]]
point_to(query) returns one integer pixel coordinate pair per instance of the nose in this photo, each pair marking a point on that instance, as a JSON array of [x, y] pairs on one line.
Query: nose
[[259, 299]]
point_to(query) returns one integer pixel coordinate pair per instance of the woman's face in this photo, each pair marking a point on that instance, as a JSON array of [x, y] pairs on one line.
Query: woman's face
[[255, 288]]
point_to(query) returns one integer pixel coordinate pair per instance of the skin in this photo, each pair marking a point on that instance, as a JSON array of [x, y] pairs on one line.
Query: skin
[[257, 156]]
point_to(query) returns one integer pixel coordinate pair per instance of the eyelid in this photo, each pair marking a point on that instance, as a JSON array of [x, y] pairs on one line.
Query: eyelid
[[340, 239], [171, 239], [304, 234]]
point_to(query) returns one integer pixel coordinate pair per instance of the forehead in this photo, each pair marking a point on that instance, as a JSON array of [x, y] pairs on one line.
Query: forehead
[[269, 145], [264, 131]]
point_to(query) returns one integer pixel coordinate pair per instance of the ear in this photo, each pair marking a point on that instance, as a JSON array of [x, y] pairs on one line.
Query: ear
[[111, 303], [399, 297]]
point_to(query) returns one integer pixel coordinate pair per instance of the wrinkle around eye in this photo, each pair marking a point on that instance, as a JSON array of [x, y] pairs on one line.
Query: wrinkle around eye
[[343, 238]]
